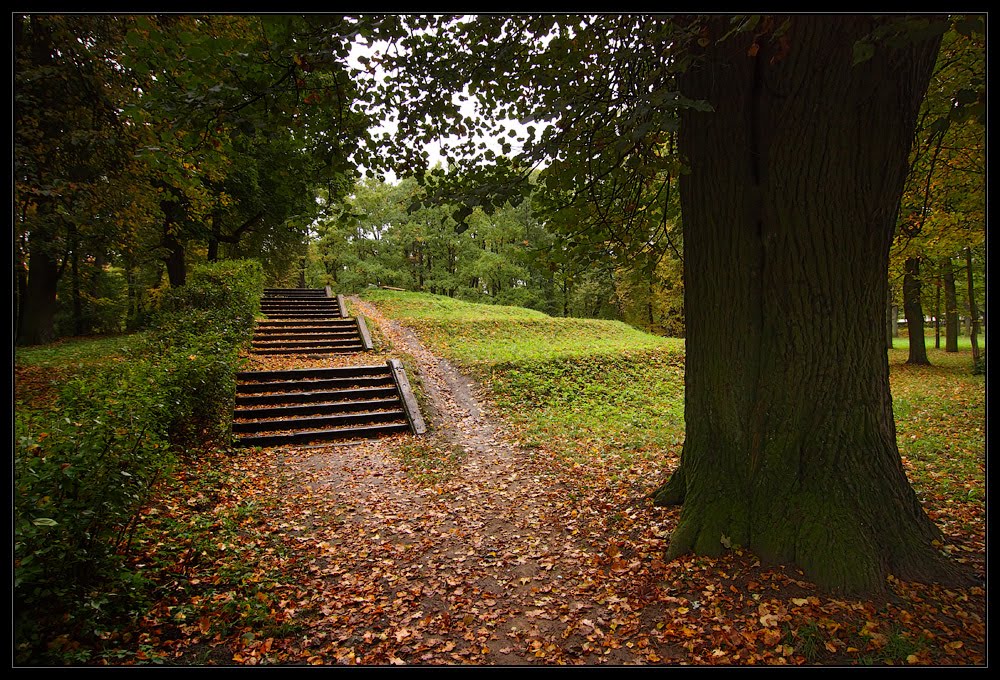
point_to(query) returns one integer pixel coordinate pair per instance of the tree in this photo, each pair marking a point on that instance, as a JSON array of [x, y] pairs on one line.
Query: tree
[[914, 311], [70, 152], [795, 133], [943, 205], [247, 115]]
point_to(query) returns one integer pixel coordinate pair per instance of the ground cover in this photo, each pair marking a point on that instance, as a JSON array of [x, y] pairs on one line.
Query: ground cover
[[519, 530]]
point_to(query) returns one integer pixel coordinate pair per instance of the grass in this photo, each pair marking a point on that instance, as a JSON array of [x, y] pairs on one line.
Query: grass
[[579, 387], [68, 353], [940, 413], [40, 370]]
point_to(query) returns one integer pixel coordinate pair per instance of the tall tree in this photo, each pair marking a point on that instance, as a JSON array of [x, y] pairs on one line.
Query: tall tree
[[69, 151], [943, 204], [795, 133], [249, 115], [914, 311]]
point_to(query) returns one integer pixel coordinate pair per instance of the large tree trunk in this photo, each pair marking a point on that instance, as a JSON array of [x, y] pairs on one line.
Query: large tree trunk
[[38, 310], [789, 208], [914, 312], [950, 306]]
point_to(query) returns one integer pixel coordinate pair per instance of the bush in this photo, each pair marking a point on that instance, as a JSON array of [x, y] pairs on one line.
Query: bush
[[84, 470]]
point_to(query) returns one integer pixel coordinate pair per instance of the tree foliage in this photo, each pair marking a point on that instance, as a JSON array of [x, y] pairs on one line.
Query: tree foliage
[[178, 138]]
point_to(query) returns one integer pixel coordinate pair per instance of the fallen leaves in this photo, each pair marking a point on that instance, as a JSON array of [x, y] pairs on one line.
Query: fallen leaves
[[340, 555]]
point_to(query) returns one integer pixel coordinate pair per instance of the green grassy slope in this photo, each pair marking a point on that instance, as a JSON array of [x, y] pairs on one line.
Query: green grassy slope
[[577, 388]]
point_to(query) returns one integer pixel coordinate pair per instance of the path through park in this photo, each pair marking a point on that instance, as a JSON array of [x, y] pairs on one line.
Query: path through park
[[493, 564], [462, 546]]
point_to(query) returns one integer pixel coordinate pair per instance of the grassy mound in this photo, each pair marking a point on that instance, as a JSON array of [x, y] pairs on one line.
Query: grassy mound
[[571, 386]]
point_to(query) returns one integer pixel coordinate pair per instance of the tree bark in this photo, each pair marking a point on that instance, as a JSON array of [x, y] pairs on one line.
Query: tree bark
[[973, 310], [950, 306], [914, 312], [789, 209], [937, 315], [38, 310], [175, 261], [890, 321]]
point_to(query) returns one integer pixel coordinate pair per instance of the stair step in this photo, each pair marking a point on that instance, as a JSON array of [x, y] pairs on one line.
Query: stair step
[[332, 313], [280, 337], [318, 292], [346, 349], [271, 343], [305, 423], [267, 324], [312, 373], [325, 396], [324, 435], [299, 302], [319, 408], [313, 385]]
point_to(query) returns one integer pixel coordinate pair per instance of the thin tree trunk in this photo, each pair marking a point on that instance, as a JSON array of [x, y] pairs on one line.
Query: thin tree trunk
[[890, 321], [973, 310], [77, 297], [937, 315], [175, 261], [950, 306], [790, 445], [914, 313]]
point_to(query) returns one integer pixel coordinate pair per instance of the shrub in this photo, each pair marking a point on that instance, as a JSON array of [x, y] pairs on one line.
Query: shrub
[[84, 470]]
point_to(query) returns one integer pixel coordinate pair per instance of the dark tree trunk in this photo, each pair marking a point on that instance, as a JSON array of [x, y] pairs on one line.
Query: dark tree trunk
[[973, 310], [213, 241], [39, 302], [77, 296], [890, 321], [174, 214], [175, 261], [937, 315], [950, 306], [20, 291], [914, 312], [789, 209]]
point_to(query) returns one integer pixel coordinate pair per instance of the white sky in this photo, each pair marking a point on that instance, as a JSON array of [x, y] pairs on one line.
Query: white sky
[[433, 149]]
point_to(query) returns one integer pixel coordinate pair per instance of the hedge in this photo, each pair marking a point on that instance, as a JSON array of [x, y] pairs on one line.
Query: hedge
[[82, 477]]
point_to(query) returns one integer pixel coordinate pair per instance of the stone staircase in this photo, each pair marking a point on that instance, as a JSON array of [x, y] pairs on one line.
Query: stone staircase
[[314, 405], [307, 321]]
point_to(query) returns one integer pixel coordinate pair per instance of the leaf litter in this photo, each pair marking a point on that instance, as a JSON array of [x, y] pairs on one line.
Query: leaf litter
[[495, 554]]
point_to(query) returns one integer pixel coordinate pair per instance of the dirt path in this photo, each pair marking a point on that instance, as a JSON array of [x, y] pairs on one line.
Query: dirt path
[[488, 565]]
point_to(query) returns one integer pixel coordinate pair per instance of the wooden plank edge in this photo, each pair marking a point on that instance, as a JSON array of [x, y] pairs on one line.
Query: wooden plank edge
[[410, 405], [366, 338]]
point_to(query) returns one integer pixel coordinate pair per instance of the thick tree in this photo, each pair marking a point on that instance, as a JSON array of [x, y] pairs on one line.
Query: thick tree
[[789, 212], [795, 133]]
